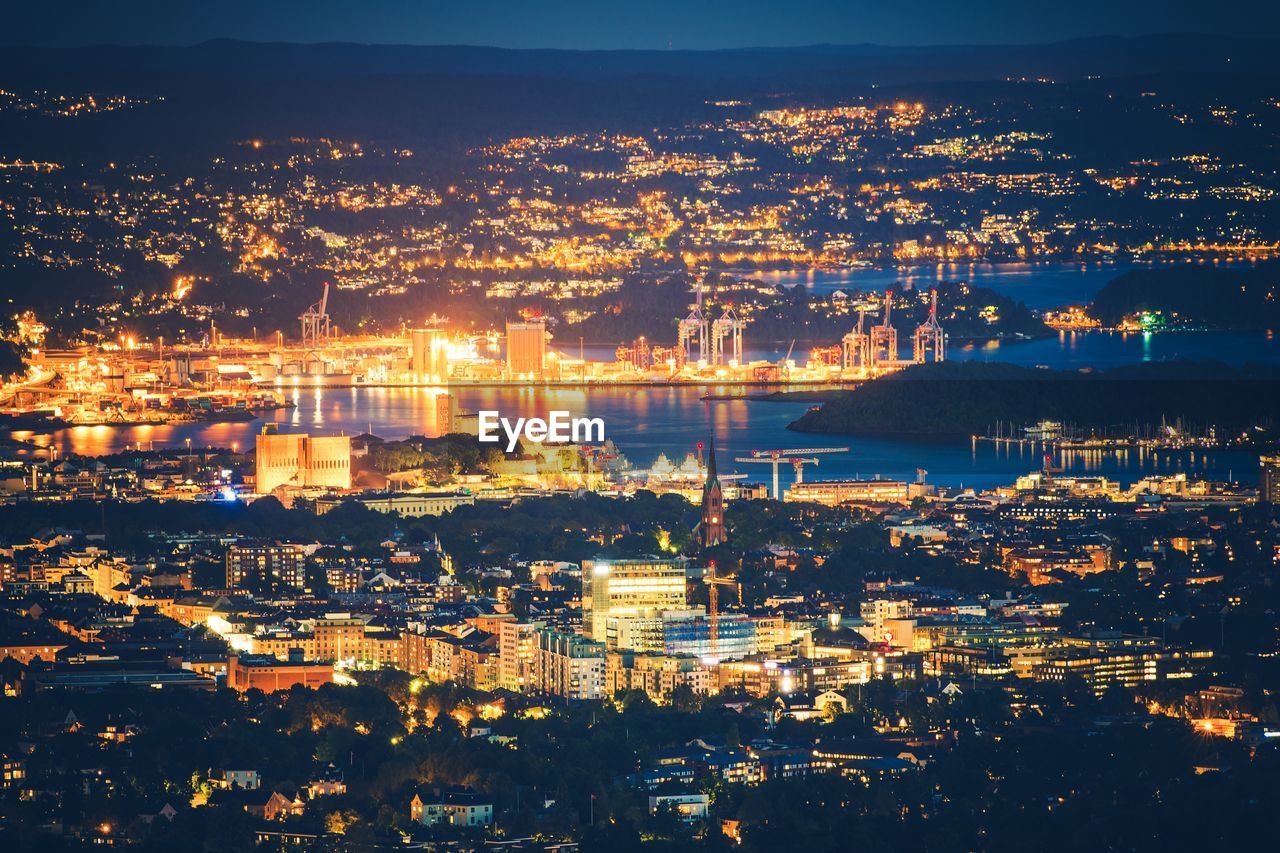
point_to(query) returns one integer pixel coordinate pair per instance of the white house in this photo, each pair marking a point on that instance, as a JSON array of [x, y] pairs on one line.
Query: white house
[[690, 806], [453, 806]]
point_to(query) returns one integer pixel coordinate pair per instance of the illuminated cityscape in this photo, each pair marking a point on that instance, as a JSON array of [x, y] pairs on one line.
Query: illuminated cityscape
[[428, 447]]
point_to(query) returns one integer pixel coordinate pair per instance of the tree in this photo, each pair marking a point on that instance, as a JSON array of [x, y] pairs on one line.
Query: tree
[[685, 700]]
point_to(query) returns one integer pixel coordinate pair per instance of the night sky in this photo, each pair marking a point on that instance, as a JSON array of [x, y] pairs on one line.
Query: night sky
[[649, 24]]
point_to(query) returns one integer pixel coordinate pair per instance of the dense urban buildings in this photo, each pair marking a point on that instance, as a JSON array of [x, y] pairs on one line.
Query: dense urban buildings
[[934, 501]]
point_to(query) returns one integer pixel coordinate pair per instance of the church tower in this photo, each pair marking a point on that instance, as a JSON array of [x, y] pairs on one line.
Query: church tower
[[711, 531]]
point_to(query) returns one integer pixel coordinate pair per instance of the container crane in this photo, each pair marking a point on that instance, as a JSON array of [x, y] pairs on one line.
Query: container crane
[[856, 346], [884, 337], [796, 457], [694, 326], [929, 338], [727, 325], [785, 365], [315, 322]]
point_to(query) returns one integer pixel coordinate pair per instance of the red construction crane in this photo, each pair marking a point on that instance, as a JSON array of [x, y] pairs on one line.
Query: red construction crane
[[713, 595]]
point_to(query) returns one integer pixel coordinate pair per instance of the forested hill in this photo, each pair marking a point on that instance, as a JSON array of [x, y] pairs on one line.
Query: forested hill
[[968, 398], [1196, 296]]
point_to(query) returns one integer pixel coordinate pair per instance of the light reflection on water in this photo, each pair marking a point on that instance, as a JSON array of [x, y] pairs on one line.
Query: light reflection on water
[[1050, 284], [672, 420]]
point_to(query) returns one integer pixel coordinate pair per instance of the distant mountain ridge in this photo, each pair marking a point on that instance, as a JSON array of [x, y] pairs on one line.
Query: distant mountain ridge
[[859, 63]]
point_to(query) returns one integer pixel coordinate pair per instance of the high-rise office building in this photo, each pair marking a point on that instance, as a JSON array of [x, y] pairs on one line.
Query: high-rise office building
[[527, 349], [630, 588], [1269, 479]]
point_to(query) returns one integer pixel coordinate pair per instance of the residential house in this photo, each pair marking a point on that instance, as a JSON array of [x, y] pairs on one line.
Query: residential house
[[457, 806], [690, 806], [810, 705]]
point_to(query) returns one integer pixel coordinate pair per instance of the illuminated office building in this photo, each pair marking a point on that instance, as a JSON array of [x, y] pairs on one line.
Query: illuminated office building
[[629, 588], [683, 633], [691, 635]]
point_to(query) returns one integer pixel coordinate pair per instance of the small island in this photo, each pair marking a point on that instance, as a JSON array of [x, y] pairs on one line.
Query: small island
[[1192, 296]]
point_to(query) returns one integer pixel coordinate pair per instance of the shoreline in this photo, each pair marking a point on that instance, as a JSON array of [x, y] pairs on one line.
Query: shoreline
[[580, 386]]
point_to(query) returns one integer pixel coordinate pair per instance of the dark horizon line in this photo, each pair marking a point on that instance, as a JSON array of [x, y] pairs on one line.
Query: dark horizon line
[[760, 48]]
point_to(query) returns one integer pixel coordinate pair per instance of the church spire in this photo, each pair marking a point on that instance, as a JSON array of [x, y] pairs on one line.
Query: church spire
[[711, 532]]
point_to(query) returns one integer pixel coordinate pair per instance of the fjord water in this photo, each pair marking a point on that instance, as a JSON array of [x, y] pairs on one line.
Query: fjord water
[[1036, 284], [646, 421]]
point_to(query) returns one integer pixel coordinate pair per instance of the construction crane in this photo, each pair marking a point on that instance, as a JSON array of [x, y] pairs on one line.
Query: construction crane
[[929, 338], [713, 610], [315, 322], [797, 458]]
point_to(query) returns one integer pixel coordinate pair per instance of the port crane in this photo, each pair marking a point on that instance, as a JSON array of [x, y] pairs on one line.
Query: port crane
[[929, 339], [856, 345], [784, 366], [694, 326], [315, 322], [727, 325], [884, 337], [795, 457]]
